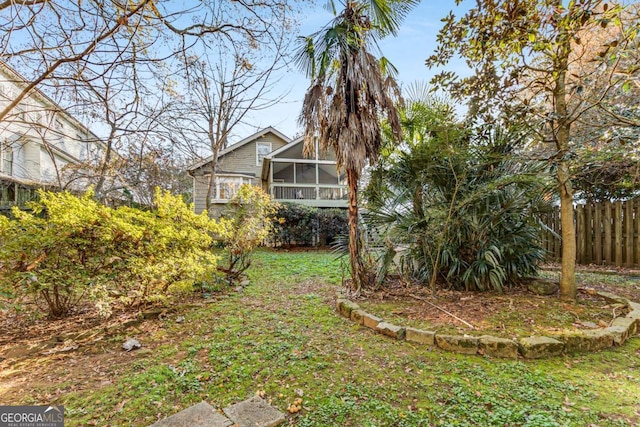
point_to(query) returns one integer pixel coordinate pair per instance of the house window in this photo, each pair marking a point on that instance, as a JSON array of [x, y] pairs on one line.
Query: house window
[[84, 152], [6, 159], [227, 187], [262, 149]]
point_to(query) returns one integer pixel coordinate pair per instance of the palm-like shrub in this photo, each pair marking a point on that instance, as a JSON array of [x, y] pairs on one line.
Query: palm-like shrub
[[458, 205]]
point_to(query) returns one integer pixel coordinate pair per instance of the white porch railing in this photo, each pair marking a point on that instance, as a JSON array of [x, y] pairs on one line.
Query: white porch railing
[[285, 191]]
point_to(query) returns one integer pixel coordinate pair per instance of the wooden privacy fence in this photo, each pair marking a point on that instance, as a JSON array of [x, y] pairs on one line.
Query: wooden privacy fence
[[606, 233]]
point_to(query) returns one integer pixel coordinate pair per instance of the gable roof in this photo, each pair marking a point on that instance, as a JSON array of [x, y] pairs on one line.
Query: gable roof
[[284, 148], [241, 143]]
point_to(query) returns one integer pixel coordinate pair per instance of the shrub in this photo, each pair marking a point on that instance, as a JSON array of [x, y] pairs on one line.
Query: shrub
[[295, 225], [70, 249], [247, 219], [331, 223], [300, 225], [461, 205]]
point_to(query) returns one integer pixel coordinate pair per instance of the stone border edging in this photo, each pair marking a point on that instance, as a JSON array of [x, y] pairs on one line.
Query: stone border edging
[[534, 347]]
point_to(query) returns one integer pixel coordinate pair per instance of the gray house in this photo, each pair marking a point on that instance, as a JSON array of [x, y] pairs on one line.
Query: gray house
[[274, 162]]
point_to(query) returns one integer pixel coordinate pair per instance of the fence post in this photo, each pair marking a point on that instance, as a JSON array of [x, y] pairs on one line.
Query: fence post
[[628, 231], [580, 232], [617, 219], [608, 258], [598, 229], [588, 233]]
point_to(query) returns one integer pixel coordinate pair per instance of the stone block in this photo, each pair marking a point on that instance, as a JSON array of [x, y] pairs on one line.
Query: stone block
[[358, 316], [498, 347], [614, 298], [628, 322], [541, 286], [200, 415], [635, 314], [586, 341], [575, 342], [599, 339], [391, 330], [371, 321], [540, 347], [622, 328], [254, 412], [620, 334], [634, 306], [419, 336], [458, 343], [345, 307]]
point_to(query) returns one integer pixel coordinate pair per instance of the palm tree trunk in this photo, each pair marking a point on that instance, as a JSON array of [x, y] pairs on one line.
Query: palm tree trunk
[[354, 235]]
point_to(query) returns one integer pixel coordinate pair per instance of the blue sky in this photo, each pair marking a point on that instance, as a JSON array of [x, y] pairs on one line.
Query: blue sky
[[416, 40]]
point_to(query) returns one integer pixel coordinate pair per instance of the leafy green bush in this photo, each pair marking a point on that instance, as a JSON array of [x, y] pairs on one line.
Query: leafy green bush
[[300, 225], [295, 225], [247, 221], [70, 249], [331, 223]]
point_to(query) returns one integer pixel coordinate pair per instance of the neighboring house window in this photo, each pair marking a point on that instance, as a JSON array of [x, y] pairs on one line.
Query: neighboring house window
[[6, 159], [262, 149], [84, 152], [6, 92], [227, 187]]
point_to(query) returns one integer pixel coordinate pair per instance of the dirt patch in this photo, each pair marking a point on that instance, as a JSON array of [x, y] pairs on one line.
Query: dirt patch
[[517, 312]]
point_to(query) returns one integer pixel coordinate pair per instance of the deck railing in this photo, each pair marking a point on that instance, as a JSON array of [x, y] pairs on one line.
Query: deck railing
[[286, 191]]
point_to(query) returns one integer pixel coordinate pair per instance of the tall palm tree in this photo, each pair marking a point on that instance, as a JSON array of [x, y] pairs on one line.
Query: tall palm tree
[[350, 89]]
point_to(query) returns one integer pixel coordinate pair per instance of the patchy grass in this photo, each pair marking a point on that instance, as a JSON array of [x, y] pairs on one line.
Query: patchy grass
[[282, 336]]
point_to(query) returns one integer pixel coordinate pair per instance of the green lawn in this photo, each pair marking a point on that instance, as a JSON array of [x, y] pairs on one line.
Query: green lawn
[[282, 336]]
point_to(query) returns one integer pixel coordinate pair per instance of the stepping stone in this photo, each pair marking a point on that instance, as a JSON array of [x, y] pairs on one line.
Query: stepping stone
[[200, 415], [254, 412]]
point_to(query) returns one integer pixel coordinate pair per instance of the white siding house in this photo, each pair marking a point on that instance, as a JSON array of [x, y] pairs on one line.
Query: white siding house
[[39, 142]]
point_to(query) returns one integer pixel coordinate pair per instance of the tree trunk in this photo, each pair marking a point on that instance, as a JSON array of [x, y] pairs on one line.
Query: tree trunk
[[354, 235], [212, 180], [104, 167], [562, 131], [568, 232]]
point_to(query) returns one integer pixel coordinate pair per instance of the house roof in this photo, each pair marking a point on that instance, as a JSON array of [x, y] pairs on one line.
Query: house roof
[[284, 147], [241, 143]]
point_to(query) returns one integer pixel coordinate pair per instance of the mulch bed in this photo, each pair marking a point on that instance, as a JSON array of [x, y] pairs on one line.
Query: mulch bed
[[417, 304]]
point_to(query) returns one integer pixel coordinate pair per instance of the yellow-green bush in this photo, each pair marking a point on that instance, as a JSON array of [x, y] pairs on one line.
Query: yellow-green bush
[[247, 222], [70, 249]]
